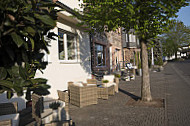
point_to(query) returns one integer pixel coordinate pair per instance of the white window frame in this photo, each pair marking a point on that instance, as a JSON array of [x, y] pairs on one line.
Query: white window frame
[[130, 38], [66, 60]]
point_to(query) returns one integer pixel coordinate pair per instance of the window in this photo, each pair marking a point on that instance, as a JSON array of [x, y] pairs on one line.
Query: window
[[130, 38], [100, 55], [67, 45]]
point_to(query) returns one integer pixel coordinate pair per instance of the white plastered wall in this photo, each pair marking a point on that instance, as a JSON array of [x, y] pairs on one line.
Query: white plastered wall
[[72, 3], [59, 72]]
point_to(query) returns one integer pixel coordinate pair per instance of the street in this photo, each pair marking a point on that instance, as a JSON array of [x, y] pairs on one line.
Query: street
[[172, 84]]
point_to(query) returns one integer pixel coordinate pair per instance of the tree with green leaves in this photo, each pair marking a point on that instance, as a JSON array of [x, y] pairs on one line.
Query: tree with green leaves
[[147, 17], [24, 36], [178, 35]]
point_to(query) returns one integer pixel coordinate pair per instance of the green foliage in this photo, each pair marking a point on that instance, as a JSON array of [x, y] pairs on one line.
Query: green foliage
[[105, 81], [24, 25], [117, 75], [54, 105], [148, 18], [177, 35], [159, 61]]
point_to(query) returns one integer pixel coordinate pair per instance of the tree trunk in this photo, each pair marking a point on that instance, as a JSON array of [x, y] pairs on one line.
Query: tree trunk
[[145, 84], [176, 55]]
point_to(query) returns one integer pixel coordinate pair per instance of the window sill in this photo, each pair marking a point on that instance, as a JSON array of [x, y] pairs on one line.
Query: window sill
[[69, 62]]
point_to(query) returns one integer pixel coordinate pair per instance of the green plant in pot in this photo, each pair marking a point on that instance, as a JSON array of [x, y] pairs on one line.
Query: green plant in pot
[[54, 105], [34, 85], [105, 82], [117, 76]]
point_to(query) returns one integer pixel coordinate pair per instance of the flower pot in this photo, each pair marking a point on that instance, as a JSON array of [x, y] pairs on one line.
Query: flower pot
[[55, 115], [104, 84]]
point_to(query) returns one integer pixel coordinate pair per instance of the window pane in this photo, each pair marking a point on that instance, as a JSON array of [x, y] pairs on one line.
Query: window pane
[[71, 47], [61, 46], [100, 55], [133, 38]]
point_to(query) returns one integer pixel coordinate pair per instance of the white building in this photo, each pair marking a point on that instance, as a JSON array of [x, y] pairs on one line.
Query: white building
[[69, 57]]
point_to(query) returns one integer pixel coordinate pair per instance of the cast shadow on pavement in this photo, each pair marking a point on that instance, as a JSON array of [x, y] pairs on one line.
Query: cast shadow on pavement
[[136, 98]]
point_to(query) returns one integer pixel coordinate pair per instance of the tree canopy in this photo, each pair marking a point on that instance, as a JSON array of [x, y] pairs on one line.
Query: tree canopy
[[147, 17], [24, 35], [178, 35]]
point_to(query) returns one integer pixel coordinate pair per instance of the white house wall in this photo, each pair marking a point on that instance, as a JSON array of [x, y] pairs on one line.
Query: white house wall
[[72, 3], [59, 72]]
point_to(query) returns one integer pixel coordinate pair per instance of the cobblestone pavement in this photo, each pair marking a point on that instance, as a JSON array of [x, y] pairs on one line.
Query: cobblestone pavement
[[178, 92], [168, 84]]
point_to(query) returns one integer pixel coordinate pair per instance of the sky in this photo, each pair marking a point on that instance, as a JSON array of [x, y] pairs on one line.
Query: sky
[[184, 15]]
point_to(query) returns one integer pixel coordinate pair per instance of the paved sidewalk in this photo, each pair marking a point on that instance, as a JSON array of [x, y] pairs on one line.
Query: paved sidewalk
[[178, 93], [172, 84], [115, 112]]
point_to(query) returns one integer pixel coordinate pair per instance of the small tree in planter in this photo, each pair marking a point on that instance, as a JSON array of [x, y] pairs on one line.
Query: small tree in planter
[[105, 82], [159, 63], [54, 106]]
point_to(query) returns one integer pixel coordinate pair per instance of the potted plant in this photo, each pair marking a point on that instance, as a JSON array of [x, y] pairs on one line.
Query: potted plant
[[159, 63], [54, 106], [37, 86], [117, 77], [105, 82]]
